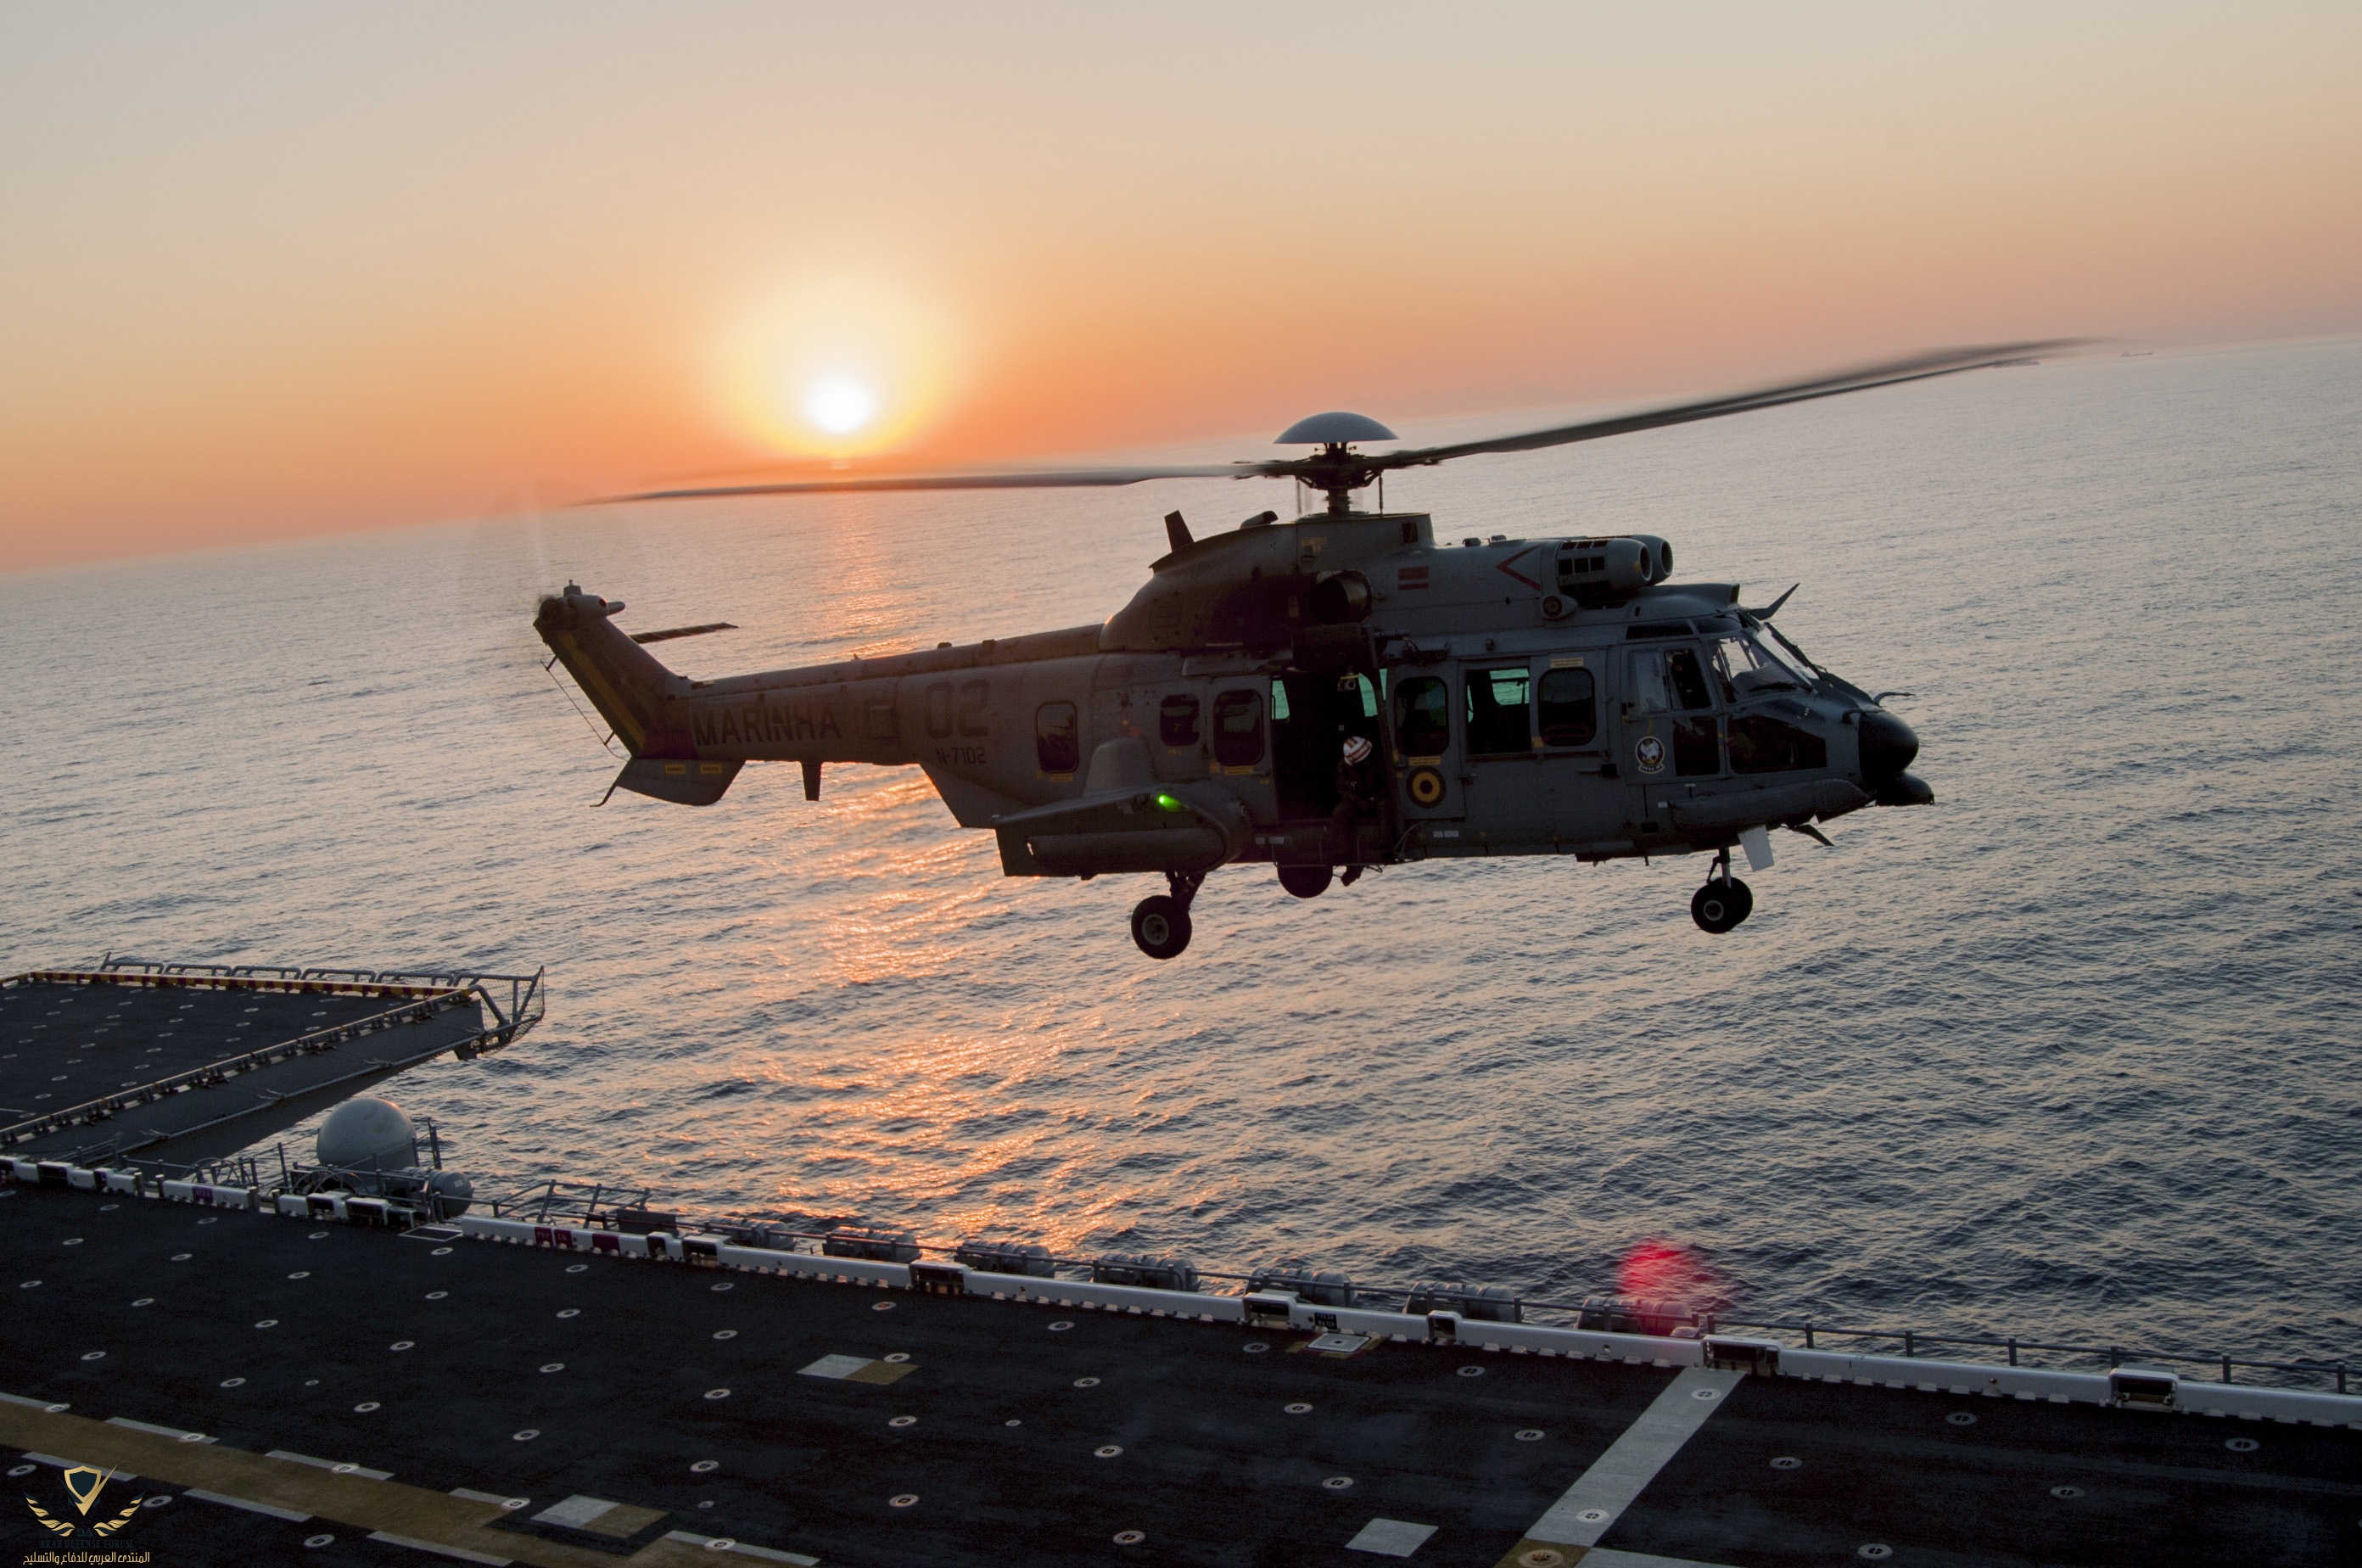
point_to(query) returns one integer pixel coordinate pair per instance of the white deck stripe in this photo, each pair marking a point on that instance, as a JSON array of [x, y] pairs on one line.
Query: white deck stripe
[[160, 1432], [1632, 1461], [75, 1464], [740, 1548], [330, 1465], [49, 1405]]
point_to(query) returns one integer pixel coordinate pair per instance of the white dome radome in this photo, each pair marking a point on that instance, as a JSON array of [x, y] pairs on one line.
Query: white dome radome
[[367, 1134]]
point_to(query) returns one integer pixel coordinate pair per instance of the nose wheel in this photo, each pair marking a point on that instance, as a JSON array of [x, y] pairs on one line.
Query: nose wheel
[[1160, 924], [1723, 901]]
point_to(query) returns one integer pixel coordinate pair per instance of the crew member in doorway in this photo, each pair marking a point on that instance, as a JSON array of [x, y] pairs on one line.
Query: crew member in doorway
[[1357, 793]]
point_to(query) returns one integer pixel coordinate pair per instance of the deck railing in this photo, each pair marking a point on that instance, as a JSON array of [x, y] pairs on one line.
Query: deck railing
[[598, 1205]]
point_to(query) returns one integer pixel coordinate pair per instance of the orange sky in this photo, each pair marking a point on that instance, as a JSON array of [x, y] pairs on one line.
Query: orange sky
[[277, 269]]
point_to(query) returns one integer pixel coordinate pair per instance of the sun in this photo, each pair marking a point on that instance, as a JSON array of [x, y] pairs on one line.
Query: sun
[[840, 405], [836, 368]]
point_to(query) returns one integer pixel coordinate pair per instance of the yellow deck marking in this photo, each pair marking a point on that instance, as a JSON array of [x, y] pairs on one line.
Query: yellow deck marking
[[623, 1521], [388, 1505], [880, 1372]]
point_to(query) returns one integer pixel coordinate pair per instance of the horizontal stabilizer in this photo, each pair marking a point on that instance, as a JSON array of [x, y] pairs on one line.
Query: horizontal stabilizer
[[670, 633], [684, 783]]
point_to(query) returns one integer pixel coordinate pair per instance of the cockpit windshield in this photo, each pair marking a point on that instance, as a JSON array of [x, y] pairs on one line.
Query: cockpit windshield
[[1746, 667]]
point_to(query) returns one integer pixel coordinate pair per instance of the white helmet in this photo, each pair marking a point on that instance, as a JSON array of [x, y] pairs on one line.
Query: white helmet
[[1357, 748]]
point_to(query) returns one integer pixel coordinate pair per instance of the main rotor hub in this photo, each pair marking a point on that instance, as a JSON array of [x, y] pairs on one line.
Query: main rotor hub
[[1336, 470]]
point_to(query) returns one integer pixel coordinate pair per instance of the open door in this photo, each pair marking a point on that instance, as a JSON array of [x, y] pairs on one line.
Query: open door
[[1312, 714]]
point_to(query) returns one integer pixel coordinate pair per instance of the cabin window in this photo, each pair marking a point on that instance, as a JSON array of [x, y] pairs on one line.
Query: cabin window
[[1176, 721], [1056, 742], [1570, 708], [1422, 716], [1238, 729], [1365, 696], [1499, 710], [1760, 743]]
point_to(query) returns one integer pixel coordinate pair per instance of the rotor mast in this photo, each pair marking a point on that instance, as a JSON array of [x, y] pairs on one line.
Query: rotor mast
[[1337, 471]]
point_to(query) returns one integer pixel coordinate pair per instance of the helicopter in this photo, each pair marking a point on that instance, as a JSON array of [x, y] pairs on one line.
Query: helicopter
[[1328, 695]]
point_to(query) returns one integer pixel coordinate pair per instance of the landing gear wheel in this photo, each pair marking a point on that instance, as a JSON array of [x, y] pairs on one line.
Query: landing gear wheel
[[1161, 926], [1721, 904], [1305, 881]]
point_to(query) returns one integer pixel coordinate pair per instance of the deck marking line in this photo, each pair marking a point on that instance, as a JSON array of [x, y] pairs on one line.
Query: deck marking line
[[160, 1432], [741, 1549], [1391, 1537], [577, 1511], [71, 1463], [461, 1553], [1601, 1557], [1632, 1461], [330, 1464], [407, 1515], [835, 1367], [34, 1404], [621, 1521], [273, 1509]]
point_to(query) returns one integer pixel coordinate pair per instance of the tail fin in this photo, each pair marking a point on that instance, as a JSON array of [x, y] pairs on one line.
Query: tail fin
[[623, 679]]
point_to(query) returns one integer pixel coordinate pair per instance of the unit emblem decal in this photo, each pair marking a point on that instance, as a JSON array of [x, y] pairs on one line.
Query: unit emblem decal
[[1649, 754]]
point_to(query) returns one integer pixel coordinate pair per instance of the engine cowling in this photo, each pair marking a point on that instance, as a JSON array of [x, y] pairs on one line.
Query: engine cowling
[[1606, 571]]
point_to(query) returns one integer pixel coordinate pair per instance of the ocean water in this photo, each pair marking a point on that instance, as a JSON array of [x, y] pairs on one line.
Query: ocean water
[[2072, 1053]]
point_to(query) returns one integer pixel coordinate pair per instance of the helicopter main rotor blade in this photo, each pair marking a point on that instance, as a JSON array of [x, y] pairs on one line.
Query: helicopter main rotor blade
[[1339, 469], [1891, 372], [1048, 478]]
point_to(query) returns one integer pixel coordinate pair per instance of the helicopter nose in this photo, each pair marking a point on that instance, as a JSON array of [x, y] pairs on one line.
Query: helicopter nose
[[1887, 745]]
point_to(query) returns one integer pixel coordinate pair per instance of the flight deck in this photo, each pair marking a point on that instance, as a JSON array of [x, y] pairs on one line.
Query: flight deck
[[208, 1361], [306, 1380]]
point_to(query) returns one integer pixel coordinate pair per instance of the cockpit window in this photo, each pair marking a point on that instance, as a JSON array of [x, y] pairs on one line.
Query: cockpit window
[[1762, 744], [1669, 681], [1499, 717], [1687, 676], [1176, 721], [1238, 729], [1799, 670], [1743, 668], [1422, 716]]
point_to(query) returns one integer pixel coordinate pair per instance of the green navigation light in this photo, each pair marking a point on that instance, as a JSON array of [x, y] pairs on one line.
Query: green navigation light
[[1168, 803]]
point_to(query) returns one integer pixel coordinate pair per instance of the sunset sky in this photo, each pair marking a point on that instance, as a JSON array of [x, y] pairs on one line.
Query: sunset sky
[[274, 270]]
